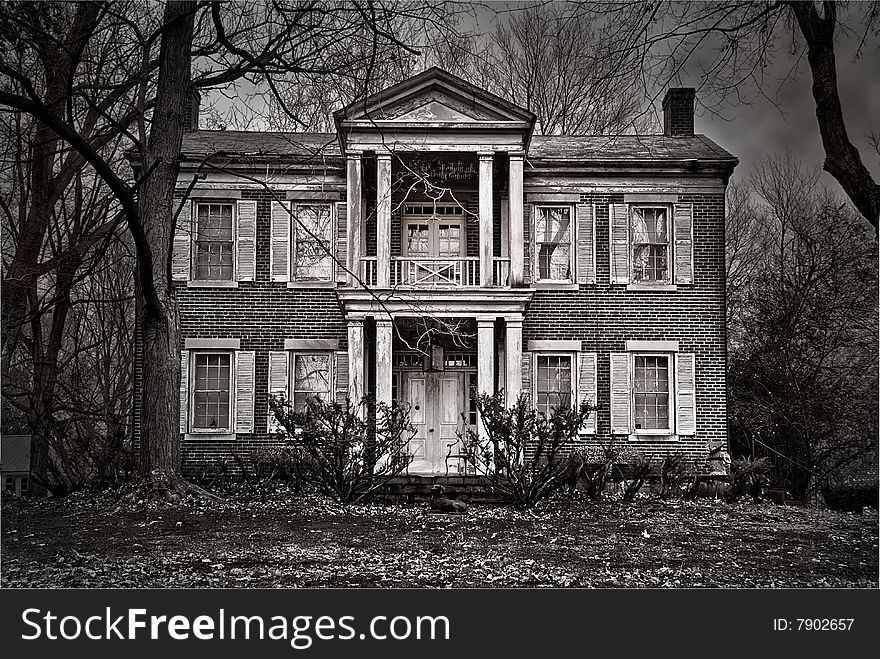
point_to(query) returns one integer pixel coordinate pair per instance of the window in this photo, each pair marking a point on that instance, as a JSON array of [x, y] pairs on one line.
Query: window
[[215, 242], [311, 378], [211, 391], [24, 485], [651, 393], [553, 229], [553, 382], [650, 244], [9, 484], [312, 242]]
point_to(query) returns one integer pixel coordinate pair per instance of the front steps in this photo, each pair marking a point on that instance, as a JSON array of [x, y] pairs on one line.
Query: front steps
[[413, 489]]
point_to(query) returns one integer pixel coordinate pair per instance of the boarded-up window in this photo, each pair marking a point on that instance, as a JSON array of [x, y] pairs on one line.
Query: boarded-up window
[[311, 378]]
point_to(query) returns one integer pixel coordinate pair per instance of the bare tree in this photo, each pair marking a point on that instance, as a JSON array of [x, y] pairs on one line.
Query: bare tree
[[732, 42], [803, 372]]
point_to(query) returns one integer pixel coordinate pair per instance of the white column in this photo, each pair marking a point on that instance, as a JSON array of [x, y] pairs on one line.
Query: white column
[[354, 221], [384, 360], [513, 359], [383, 220], [487, 264], [485, 362], [515, 218], [355, 359]]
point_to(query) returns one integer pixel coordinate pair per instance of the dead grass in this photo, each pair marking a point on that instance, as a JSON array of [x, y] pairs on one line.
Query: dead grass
[[87, 540]]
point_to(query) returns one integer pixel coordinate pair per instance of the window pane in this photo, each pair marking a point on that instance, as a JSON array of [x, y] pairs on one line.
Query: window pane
[[553, 241], [311, 258], [650, 244], [651, 392], [214, 242], [553, 382], [311, 378], [211, 389], [450, 239], [417, 240]]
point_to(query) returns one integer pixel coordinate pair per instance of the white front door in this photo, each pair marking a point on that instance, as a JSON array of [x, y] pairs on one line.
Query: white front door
[[436, 403]]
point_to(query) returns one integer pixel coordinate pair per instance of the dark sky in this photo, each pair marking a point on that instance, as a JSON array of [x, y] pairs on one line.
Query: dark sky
[[754, 131]]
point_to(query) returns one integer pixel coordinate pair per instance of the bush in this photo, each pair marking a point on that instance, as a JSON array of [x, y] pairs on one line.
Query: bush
[[285, 464], [639, 470], [749, 477], [523, 452], [348, 455], [596, 473], [676, 471]]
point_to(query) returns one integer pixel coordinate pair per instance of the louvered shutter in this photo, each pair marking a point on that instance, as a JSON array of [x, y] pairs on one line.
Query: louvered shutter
[[527, 242], [587, 389], [618, 221], [620, 393], [246, 240], [685, 394], [244, 391], [278, 364], [341, 241], [342, 377], [586, 243], [182, 247], [279, 243], [184, 391], [527, 375], [683, 260]]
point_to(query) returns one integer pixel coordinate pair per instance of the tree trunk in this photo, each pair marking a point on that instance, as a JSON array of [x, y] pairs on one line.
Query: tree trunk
[[842, 159], [160, 439]]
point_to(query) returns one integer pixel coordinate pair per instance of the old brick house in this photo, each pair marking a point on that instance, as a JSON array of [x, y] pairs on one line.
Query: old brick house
[[466, 255]]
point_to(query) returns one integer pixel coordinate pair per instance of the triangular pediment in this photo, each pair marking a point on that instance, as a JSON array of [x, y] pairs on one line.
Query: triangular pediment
[[435, 97]]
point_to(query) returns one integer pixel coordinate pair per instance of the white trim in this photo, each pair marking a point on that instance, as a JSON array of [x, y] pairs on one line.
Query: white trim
[[217, 193], [212, 344], [311, 344], [572, 376], [551, 285], [329, 239], [211, 283], [655, 346], [229, 429], [658, 287], [572, 243], [193, 281], [209, 436], [669, 430], [649, 198], [554, 344], [667, 284]]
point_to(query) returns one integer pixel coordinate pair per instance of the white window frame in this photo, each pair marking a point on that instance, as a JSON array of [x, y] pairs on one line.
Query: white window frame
[[194, 255], [433, 220], [294, 238], [291, 392], [228, 430], [572, 357], [671, 392], [670, 244], [572, 245]]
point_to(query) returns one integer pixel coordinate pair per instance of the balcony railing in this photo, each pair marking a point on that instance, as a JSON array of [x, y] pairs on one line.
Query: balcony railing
[[429, 272]]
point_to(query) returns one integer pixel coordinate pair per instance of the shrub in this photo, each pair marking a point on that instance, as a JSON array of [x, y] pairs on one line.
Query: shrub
[[285, 464], [676, 471], [597, 470], [639, 469], [523, 452], [749, 477], [349, 456]]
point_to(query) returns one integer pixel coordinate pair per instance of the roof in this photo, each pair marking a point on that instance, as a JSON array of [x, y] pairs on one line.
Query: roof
[[626, 147], [15, 453], [317, 146]]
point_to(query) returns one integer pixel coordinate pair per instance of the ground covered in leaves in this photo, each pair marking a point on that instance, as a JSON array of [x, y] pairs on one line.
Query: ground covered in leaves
[[275, 540]]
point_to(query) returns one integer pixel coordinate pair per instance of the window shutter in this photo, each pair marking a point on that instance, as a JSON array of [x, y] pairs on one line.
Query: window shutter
[[586, 243], [587, 390], [244, 391], [342, 377], [620, 393], [278, 364], [685, 394], [184, 390], [618, 220], [341, 241], [527, 375], [527, 242], [279, 246], [684, 244], [182, 247], [246, 240]]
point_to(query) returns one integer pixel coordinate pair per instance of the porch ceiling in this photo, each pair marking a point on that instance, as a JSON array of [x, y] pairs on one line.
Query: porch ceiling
[[479, 304]]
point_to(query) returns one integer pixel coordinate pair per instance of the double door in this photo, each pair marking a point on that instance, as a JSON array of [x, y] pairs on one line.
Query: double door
[[436, 402]]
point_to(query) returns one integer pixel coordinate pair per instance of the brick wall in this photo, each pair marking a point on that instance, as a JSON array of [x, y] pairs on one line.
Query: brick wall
[[604, 317]]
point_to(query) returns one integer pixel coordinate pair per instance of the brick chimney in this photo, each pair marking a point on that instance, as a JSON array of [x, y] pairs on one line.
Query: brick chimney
[[191, 109], [678, 112]]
